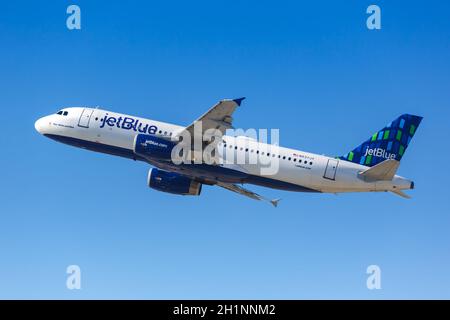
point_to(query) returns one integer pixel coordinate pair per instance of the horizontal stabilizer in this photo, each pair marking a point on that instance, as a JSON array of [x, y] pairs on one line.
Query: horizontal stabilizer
[[383, 171], [401, 194]]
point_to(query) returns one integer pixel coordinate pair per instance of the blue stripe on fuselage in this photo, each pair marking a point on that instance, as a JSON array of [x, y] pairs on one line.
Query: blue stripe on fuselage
[[96, 146], [201, 171]]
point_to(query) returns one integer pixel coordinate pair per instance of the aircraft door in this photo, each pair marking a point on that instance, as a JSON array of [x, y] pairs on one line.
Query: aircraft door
[[330, 171], [85, 118]]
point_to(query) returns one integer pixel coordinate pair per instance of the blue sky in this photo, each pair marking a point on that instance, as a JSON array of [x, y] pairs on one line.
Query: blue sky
[[310, 68]]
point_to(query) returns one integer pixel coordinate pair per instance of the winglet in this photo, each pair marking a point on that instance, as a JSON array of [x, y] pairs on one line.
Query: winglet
[[239, 101], [274, 202]]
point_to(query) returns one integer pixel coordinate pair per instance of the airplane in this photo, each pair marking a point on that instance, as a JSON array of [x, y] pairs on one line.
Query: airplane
[[370, 167]]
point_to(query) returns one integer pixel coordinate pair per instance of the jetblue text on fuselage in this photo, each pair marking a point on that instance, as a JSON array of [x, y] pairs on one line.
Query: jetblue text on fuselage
[[128, 123]]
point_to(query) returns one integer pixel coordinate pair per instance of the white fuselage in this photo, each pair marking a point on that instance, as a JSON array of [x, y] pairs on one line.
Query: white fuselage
[[113, 132]]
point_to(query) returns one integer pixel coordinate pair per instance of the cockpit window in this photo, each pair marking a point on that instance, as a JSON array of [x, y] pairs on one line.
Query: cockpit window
[[65, 113], [59, 112]]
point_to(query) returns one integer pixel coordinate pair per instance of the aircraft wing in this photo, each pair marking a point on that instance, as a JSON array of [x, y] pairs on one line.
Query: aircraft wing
[[218, 117], [238, 189]]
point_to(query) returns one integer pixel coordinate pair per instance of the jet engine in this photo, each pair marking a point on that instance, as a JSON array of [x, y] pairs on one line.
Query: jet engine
[[151, 147], [172, 182]]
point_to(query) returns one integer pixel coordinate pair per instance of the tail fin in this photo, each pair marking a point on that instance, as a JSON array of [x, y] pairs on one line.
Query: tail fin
[[388, 143]]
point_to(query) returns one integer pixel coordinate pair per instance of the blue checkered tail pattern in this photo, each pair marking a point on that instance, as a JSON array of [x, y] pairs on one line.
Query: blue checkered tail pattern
[[388, 143]]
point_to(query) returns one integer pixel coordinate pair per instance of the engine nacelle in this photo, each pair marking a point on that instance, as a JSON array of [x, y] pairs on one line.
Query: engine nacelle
[[151, 147], [172, 182]]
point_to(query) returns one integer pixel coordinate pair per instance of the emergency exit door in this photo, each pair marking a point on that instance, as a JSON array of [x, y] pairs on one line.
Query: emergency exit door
[[330, 171]]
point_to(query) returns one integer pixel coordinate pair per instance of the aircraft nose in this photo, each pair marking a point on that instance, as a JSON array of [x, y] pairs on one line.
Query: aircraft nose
[[39, 125]]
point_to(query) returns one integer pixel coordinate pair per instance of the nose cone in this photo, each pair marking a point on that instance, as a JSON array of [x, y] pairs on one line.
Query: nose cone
[[39, 125]]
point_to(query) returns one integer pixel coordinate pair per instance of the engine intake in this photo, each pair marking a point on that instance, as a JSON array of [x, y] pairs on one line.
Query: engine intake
[[172, 182]]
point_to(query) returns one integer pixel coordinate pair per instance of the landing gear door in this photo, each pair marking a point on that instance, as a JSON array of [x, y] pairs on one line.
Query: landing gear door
[[330, 171], [85, 118]]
